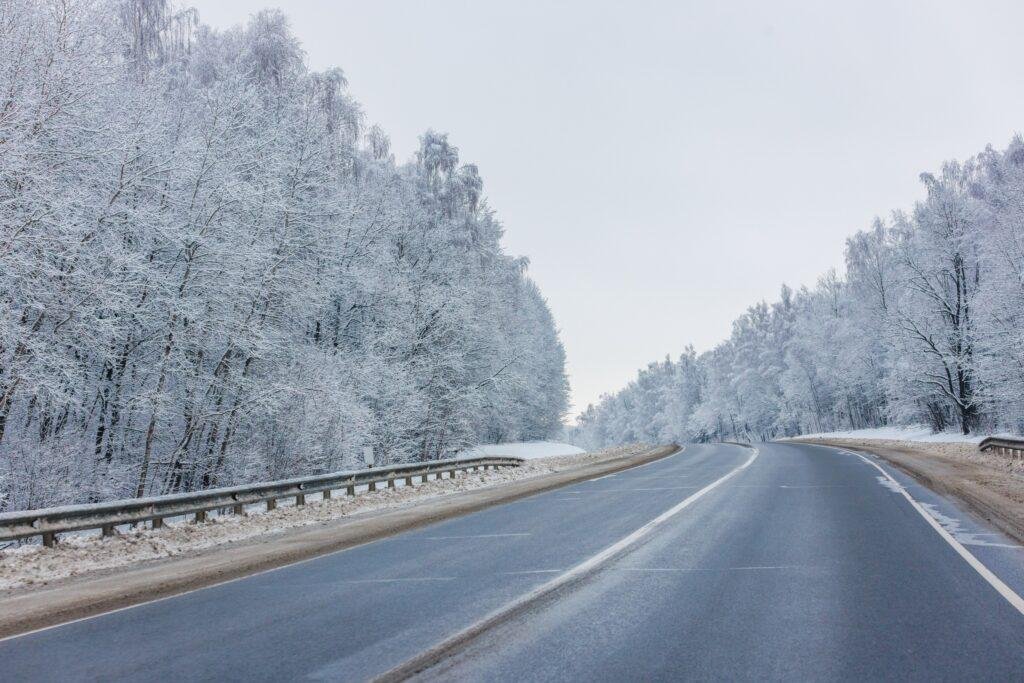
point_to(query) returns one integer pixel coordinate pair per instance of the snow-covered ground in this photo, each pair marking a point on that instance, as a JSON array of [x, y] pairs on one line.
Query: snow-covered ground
[[917, 433], [80, 554], [526, 449]]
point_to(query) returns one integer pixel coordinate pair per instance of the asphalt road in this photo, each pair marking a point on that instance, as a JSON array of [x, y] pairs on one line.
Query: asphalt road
[[802, 566]]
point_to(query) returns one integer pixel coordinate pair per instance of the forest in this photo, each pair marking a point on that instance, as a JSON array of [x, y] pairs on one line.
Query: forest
[[213, 270], [925, 325]]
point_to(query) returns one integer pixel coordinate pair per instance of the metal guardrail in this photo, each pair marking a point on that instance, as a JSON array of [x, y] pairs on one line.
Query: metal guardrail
[[107, 516], [1001, 445]]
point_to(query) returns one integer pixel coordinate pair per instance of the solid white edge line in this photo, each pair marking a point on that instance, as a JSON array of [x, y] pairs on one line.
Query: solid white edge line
[[442, 649], [620, 545], [298, 562], [976, 564]]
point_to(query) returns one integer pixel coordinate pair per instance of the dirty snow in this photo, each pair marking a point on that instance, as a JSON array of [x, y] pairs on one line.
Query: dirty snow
[[918, 433], [955, 529], [965, 450], [952, 525], [890, 484], [32, 564]]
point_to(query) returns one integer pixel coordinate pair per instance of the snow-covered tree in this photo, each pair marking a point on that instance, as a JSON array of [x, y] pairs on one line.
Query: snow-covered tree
[[925, 326], [212, 271]]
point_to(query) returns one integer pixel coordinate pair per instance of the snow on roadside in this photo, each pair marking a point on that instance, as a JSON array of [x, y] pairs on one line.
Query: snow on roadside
[[526, 449], [920, 439], [917, 433], [31, 565]]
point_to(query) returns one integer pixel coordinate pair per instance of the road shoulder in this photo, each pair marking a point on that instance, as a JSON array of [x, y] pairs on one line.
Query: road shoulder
[[25, 610], [990, 486]]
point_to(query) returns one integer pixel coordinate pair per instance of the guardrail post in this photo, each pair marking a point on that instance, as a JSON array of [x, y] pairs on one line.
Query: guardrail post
[[200, 516], [271, 504], [408, 481], [158, 522], [49, 539], [326, 494], [391, 482], [107, 530], [350, 490], [300, 499], [238, 509], [372, 486]]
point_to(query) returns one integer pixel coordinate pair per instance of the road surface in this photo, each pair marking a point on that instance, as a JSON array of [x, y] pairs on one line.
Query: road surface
[[801, 563]]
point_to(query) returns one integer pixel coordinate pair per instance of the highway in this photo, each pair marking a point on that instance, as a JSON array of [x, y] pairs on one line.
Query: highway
[[788, 562]]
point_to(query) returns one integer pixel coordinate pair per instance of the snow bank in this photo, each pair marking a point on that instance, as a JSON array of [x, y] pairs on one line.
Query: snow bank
[[918, 433], [526, 449]]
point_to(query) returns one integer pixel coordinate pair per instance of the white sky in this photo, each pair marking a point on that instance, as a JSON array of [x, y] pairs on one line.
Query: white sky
[[667, 164]]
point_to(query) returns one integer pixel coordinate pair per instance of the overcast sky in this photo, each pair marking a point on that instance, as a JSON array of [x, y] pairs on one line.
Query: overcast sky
[[664, 165]]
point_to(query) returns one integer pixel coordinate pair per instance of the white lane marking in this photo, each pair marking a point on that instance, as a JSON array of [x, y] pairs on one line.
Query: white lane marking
[[440, 651], [1011, 597], [455, 538], [603, 477], [271, 569], [646, 529], [533, 571]]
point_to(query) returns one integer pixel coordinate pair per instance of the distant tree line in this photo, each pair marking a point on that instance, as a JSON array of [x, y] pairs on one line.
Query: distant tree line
[[211, 271], [926, 326]]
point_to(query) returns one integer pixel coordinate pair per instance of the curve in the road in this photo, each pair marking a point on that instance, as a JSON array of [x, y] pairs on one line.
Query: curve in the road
[[800, 565], [808, 567]]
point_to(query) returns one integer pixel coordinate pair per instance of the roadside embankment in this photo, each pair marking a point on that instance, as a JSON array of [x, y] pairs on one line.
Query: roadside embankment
[[85, 576], [989, 485]]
